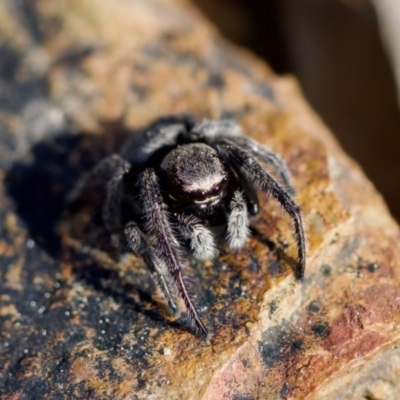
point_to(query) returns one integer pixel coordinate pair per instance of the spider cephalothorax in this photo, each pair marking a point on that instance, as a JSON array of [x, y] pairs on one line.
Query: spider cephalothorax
[[175, 182]]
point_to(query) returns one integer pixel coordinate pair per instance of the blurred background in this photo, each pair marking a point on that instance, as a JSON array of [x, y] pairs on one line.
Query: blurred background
[[343, 52]]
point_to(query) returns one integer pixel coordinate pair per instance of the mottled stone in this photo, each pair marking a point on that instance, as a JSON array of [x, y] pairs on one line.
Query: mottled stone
[[75, 79]]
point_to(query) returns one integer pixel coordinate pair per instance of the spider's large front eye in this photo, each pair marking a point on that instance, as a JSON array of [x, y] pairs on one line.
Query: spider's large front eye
[[218, 188], [211, 195], [201, 195]]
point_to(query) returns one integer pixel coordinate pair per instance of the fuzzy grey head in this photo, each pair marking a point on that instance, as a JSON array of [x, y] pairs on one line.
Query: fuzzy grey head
[[194, 173]]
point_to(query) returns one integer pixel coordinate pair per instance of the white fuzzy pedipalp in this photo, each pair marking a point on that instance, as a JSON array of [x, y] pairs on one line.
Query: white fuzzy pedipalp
[[201, 239], [238, 221]]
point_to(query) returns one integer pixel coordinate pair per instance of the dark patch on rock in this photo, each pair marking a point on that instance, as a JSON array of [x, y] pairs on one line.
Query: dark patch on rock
[[326, 270], [39, 189], [227, 61], [296, 345], [9, 61], [254, 265], [242, 397], [216, 80], [280, 344], [275, 269], [272, 308], [30, 19], [17, 93], [371, 268], [263, 90], [315, 306], [140, 91], [74, 56], [263, 238], [284, 392], [321, 330]]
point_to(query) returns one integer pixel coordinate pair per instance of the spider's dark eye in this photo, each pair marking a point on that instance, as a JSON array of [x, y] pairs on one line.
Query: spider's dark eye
[[216, 189], [201, 195]]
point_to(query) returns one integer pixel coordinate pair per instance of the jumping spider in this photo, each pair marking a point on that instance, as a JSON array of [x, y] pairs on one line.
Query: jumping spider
[[175, 182]]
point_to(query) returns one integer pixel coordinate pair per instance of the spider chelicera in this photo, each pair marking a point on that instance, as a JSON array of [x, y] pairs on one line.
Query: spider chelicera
[[175, 182]]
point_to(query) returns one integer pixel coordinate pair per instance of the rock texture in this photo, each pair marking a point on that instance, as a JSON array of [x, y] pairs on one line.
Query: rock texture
[[76, 77]]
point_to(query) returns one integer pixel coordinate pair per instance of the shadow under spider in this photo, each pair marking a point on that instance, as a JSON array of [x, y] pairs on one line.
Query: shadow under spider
[[275, 268], [39, 189]]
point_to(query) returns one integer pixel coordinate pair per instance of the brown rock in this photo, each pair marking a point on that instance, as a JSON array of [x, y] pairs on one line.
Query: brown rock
[[76, 78]]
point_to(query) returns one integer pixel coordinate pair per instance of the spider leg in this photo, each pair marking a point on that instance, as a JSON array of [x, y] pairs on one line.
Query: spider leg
[[140, 246], [114, 192], [267, 157], [163, 240], [163, 133], [201, 239], [262, 180], [248, 188], [238, 221], [111, 171], [210, 130], [102, 172]]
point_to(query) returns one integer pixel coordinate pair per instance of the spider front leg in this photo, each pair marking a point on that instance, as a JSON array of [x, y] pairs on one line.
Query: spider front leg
[[114, 192], [101, 173], [211, 130], [163, 241], [108, 172], [140, 246], [246, 165], [163, 133], [201, 239], [267, 157]]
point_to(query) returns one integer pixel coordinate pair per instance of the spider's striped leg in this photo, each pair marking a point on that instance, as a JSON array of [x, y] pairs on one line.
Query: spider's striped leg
[[114, 193], [140, 246], [107, 173], [100, 174], [201, 239], [268, 157], [163, 241], [163, 133], [247, 166], [211, 130], [252, 203]]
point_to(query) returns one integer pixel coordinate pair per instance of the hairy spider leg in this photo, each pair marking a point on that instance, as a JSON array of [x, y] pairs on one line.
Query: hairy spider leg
[[110, 170], [164, 132], [267, 157], [163, 240], [249, 190], [112, 205], [102, 172], [201, 239], [140, 246], [238, 221], [213, 129], [186, 119], [251, 170]]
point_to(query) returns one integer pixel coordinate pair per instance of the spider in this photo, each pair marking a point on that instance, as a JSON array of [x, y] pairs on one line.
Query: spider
[[175, 183]]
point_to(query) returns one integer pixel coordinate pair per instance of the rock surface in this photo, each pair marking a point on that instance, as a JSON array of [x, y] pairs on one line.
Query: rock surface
[[75, 79]]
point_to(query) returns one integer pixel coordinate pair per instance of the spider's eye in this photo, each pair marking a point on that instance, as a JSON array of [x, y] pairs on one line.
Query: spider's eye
[[216, 189], [202, 195]]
